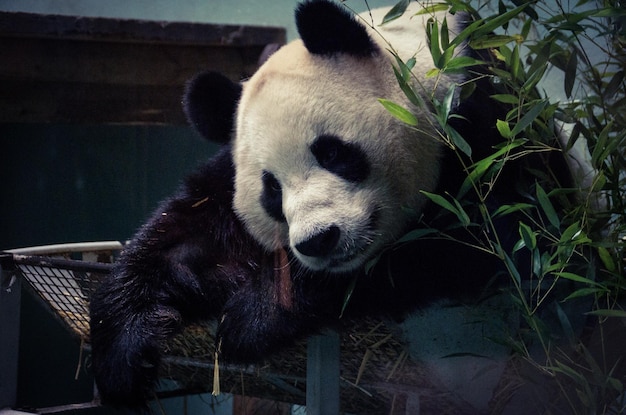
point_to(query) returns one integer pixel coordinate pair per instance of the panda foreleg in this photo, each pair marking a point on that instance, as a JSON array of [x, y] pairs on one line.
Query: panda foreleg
[[126, 365], [176, 271], [127, 328], [275, 309], [253, 326], [145, 303]]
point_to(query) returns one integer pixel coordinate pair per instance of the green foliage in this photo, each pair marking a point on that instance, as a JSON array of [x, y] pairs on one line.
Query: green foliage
[[399, 112], [572, 239]]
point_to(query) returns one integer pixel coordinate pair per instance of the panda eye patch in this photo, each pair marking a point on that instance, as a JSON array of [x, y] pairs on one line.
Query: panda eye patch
[[346, 160], [272, 196]]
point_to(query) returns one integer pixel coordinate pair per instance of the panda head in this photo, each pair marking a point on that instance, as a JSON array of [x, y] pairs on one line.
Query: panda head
[[321, 166]]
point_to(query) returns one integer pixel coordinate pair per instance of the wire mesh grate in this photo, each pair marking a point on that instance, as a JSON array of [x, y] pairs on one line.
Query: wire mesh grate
[[64, 277]]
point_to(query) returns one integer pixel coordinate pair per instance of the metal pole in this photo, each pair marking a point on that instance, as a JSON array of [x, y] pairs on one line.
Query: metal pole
[[322, 386], [10, 296]]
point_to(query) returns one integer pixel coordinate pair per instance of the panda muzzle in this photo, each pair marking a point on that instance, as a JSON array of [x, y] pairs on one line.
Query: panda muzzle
[[321, 244]]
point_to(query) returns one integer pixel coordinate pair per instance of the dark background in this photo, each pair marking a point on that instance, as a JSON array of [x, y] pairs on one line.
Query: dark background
[[77, 183]]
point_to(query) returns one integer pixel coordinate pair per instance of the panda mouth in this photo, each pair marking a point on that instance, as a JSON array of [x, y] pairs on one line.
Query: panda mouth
[[340, 263], [341, 249], [346, 262], [348, 253]]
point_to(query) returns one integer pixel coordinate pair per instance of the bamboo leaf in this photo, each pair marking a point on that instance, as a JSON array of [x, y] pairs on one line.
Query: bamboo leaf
[[530, 12], [534, 79], [477, 172], [528, 236], [508, 209], [462, 215], [565, 324], [416, 234], [577, 278], [456, 208], [402, 72], [492, 41], [478, 169], [432, 73], [526, 28], [570, 73], [506, 98], [601, 144], [540, 61], [458, 140], [444, 35], [599, 182], [515, 63], [606, 258], [573, 234], [609, 12], [433, 8], [503, 128], [445, 59], [608, 313], [568, 371], [404, 67], [502, 9], [613, 143], [547, 207], [414, 98], [583, 292], [399, 112], [446, 105], [432, 30], [459, 62], [483, 27], [513, 271], [410, 63], [614, 85], [616, 384], [529, 117], [440, 200], [396, 11]]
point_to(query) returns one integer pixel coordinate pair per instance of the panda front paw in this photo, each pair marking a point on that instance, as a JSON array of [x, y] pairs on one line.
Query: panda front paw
[[252, 329], [126, 378], [126, 352]]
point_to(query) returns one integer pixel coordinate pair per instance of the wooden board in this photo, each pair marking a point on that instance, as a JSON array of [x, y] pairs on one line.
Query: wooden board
[[65, 69]]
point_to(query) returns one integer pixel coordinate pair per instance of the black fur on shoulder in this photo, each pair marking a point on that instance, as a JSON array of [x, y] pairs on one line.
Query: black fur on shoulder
[[209, 103], [326, 28]]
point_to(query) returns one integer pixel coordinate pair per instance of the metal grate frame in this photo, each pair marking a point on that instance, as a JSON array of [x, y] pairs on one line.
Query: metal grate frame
[[64, 277]]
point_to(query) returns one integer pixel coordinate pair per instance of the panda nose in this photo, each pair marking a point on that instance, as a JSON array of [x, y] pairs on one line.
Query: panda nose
[[320, 244]]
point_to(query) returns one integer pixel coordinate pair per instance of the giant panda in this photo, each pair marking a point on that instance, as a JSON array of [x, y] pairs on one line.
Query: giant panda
[[297, 211]]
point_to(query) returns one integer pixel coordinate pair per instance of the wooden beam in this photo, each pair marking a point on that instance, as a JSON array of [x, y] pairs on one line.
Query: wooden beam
[[67, 69], [18, 24]]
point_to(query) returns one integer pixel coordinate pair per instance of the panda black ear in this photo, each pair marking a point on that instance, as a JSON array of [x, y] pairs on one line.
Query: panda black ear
[[210, 103], [327, 28]]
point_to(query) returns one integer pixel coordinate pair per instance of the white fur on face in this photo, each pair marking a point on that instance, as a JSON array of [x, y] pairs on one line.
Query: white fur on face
[[296, 97]]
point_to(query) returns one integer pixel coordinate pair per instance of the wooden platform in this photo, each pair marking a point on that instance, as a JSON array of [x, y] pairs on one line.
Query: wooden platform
[[66, 69]]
